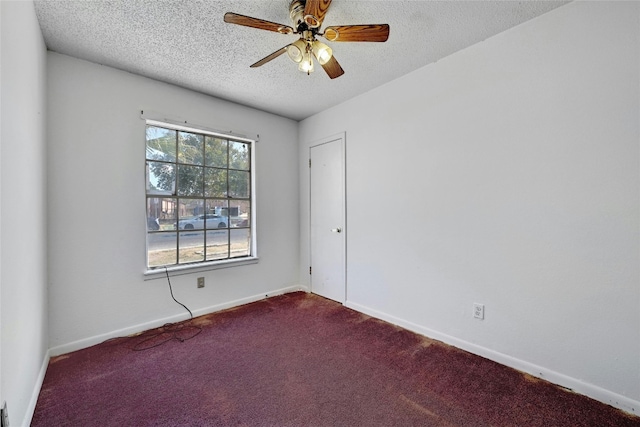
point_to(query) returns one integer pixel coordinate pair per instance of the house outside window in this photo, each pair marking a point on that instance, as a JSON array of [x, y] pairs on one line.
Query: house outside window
[[199, 197]]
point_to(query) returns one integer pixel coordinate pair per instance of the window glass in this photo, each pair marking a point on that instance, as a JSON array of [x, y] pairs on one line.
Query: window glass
[[161, 178], [161, 144], [215, 182], [191, 243], [190, 148], [239, 184], [217, 245], [240, 242], [190, 180], [238, 155], [216, 153]]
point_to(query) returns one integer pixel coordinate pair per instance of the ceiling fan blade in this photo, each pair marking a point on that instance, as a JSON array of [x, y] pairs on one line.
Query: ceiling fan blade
[[315, 10], [266, 59], [247, 21], [357, 33], [332, 68]]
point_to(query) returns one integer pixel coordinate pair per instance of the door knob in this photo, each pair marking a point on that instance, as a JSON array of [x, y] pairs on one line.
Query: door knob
[[336, 230]]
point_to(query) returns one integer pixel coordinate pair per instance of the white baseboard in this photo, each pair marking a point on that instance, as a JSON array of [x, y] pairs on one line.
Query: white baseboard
[[88, 342], [606, 396], [36, 390]]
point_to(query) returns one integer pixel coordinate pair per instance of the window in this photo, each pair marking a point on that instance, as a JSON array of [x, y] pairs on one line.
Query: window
[[198, 196]]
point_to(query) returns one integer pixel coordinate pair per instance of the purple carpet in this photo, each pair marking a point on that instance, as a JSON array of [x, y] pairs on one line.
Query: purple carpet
[[300, 360]]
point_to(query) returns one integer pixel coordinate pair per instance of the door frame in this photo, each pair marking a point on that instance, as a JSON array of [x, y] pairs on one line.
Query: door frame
[[339, 136]]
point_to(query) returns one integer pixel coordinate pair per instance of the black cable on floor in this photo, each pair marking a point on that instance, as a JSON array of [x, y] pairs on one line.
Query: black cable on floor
[[180, 331]]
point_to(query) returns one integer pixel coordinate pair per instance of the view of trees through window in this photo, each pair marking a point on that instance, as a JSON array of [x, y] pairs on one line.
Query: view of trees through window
[[198, 190]]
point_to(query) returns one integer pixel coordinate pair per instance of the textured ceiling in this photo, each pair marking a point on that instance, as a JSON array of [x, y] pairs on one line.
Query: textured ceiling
[[188, 44]]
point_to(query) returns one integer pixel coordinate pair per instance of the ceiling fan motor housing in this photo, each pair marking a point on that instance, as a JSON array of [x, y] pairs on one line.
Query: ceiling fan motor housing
[[296, 12]]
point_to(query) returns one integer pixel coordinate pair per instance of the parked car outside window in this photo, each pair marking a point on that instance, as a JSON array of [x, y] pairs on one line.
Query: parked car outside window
[[199, 221]]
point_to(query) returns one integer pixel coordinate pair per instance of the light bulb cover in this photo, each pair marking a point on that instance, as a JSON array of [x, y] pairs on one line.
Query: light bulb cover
[[321, 51], [296, 50], [306, 65]]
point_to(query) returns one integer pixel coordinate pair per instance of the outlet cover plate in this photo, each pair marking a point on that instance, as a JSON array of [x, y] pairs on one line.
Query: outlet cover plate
[[201, 282], [478, 311]]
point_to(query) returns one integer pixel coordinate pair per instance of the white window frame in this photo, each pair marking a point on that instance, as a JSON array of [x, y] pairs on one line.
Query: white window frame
[[151, 119]]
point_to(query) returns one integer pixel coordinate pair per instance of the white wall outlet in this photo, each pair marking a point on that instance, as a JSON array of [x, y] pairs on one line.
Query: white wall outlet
[[478, 311], [201, 282]]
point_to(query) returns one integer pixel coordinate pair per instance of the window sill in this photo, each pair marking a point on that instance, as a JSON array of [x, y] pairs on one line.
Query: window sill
[[178, 270]]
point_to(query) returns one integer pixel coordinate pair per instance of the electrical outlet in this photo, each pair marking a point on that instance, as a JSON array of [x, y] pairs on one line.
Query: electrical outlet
[[4, 417], [478, 311], [201, 282]]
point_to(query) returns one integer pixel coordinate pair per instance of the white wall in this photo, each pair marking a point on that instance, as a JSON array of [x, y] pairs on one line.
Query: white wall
[[23, 283], [506, 174], [97, 203]]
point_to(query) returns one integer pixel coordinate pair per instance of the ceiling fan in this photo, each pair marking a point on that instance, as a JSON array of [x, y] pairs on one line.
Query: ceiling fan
[[307, 17]]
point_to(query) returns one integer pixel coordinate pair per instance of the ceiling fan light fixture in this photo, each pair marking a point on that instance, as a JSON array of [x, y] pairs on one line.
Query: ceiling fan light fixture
[[296, 50], [306, 65], [321, 51]]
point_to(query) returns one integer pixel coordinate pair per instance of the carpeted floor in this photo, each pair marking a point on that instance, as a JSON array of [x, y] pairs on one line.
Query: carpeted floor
[[300, 360]]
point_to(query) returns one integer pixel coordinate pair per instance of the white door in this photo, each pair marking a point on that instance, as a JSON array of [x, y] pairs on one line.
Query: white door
[[328, 237]]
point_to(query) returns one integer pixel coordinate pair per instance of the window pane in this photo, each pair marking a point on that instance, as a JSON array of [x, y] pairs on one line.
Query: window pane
[[239, 184], [240, 242], [169, 214], [161, 178], [161, 144], [238, 155], [191, 212], [218, 209], [190, 148], [190, 180], [191, 246], [162, 249], [215, 152], [215, 182], [161, 213], [217, 244], [240, 211]]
